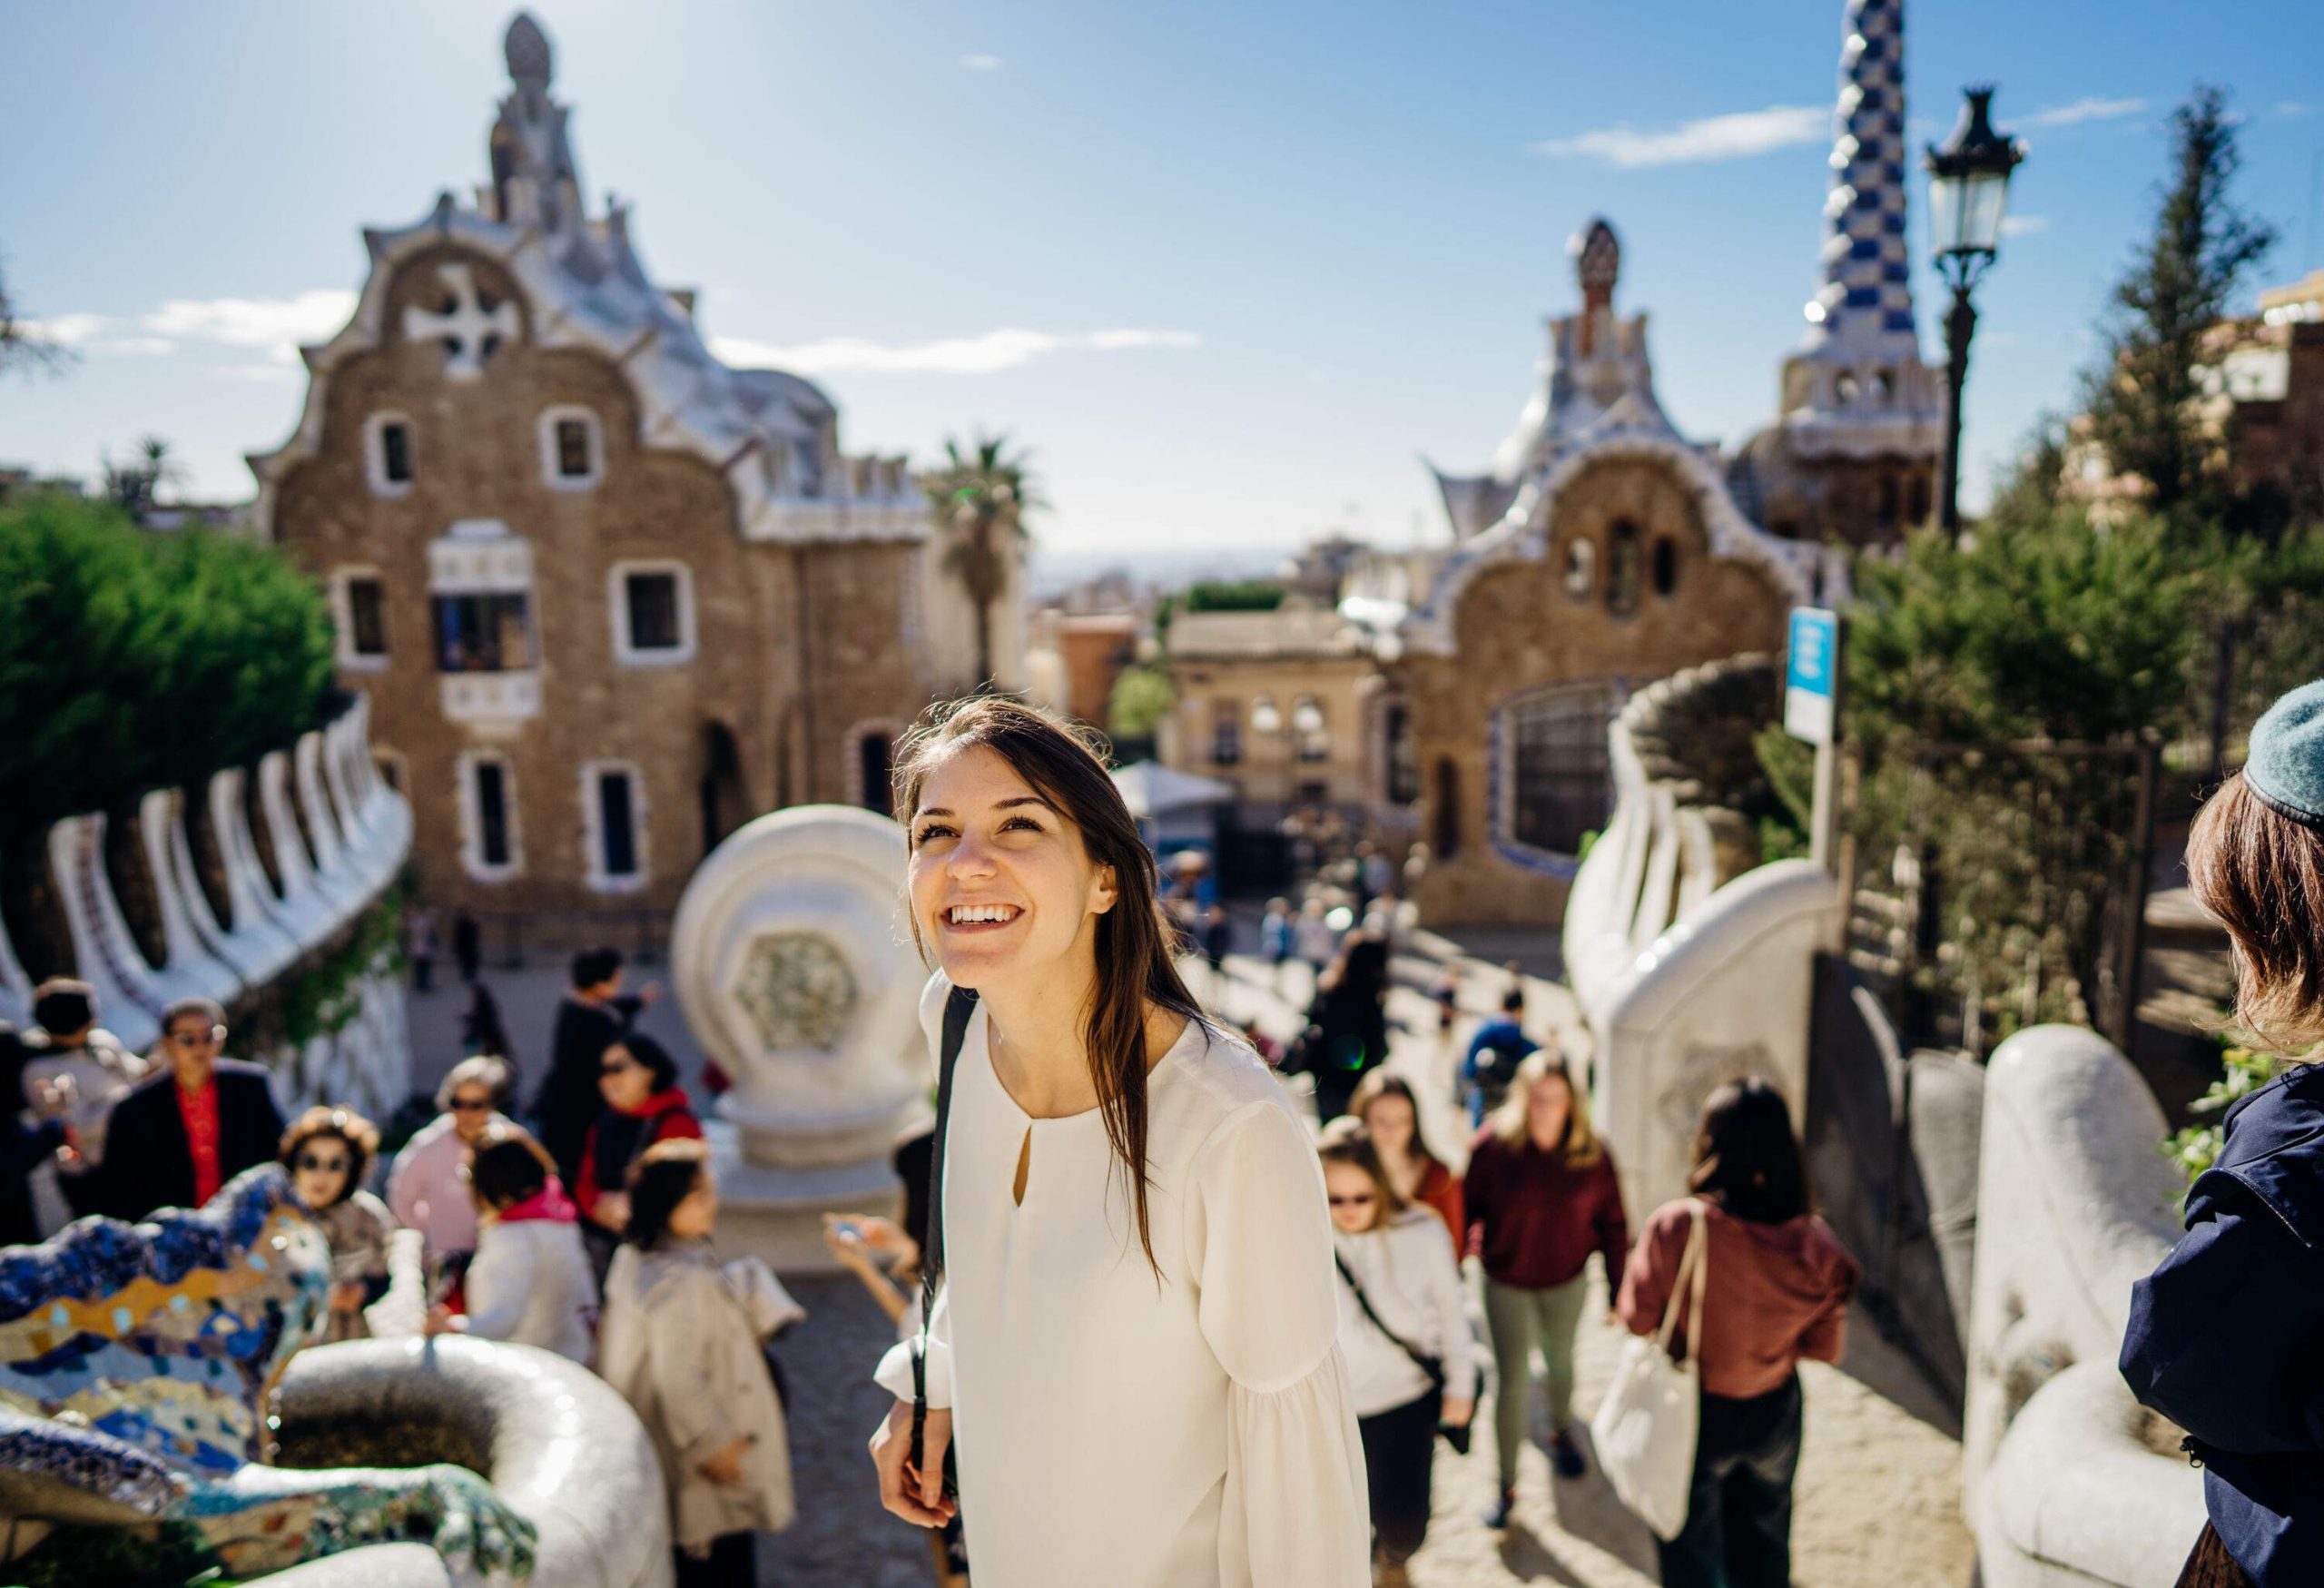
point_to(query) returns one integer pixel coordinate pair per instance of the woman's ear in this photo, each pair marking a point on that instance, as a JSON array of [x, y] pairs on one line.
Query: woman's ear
[[1104, 891]]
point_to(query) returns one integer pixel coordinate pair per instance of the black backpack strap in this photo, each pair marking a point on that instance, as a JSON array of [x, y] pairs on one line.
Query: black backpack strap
[[957, 1007], [1432, 1366]]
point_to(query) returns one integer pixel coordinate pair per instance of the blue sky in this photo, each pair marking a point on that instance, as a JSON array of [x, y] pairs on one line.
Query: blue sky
[[1228, 268]]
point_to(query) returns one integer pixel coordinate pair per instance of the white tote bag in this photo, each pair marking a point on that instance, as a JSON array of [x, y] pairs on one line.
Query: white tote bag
[[1645, 1428]]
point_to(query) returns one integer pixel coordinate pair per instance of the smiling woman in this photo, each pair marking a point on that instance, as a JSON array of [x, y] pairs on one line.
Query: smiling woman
[[1178, 1419]]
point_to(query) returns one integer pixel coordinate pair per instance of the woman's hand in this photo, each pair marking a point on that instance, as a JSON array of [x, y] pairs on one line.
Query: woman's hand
[[346, 1296], [1458, 1410], [439, 1321], [912, 1494], [612, 1212], [725, 1468]]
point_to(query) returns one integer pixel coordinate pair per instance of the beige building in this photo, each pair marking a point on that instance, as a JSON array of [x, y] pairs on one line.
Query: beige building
[[1279, 704], [610, 596]]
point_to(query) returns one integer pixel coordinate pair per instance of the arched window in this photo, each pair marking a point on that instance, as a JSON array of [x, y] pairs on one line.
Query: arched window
[[1444, 810], [1622, 570], [1580, 568], [1226, 733], [874, 764], [1666, 567], [1884, 512], [1403, 766], [1557, 779], [1309, 729]]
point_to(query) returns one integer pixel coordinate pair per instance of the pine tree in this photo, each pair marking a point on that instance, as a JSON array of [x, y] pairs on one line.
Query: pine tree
[[2145, 396]]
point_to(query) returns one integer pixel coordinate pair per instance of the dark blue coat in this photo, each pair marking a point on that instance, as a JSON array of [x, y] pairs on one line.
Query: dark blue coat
[[2227, 1338]]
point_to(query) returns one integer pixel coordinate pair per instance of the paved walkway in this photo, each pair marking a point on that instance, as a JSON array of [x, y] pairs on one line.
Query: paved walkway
[[1878, 1490]]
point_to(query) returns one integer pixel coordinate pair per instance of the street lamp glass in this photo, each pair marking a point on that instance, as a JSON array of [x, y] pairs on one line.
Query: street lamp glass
[[1968, 186]]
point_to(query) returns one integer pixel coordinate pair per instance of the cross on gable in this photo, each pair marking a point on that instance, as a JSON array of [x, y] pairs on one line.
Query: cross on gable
[[468, 331]]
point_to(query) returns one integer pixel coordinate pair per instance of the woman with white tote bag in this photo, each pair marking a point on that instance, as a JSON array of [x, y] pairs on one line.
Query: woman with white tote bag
[[1768, 1285]]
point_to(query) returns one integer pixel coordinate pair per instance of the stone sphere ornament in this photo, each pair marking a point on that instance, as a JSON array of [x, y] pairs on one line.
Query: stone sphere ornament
[[794, 968]]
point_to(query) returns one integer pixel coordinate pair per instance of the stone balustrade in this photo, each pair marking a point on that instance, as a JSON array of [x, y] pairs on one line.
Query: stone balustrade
[[337, 835]]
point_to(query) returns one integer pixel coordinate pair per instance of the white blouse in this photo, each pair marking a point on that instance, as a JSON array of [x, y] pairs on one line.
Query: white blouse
[[1409, 1276], [1193, 1430]]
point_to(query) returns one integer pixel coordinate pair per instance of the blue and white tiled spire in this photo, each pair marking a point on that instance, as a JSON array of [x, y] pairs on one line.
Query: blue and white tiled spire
[[1858, 379]]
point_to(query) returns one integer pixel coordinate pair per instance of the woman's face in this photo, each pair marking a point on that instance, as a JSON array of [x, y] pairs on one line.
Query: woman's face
[[623, 1081], [1001, 886], [1355, 1200], [1390, 1120], [472, 1112], [698, 1215], [319, 1169], [1549, 1106]]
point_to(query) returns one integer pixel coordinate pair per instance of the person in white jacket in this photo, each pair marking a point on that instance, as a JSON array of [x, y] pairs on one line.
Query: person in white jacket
[[1404, 1330], [530, 1283], [1137, 1336]]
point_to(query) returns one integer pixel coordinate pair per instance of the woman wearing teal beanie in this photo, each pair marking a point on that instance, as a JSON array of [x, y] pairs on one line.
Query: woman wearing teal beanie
[[2227, 1338]]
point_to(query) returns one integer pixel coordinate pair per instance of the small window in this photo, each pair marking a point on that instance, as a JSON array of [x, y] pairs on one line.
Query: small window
[[388, 454], [492, 846], [1444, 812], [367, 617], [484, 632], [1403, 765], [572, 449], [616, 826], [1580, 568], [652, 611], [395, 452], [652, 604], [1622, 570], [1226, 733], [873, 766], [1310, 730], [573, 460], [1666, 567]]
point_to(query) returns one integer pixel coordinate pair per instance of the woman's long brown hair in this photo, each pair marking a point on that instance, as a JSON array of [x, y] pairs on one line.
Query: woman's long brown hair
[[1135, 974], [2261, 875]]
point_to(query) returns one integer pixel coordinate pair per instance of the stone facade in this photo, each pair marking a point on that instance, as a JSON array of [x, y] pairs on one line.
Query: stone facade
[[1529, 634], [1278, 705], [611, 599]]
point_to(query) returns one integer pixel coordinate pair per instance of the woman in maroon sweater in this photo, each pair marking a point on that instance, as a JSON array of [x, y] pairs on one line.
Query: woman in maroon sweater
[[1541, 1196], [1777, 1290]]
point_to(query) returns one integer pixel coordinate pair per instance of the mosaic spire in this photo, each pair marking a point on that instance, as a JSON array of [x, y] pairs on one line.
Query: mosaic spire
[[1867, 292]]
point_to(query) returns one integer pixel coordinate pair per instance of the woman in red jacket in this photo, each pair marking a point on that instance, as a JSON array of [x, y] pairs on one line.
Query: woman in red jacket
[[643, 1104], [1777, 1290], [1391, 1116], [1541, 1196]]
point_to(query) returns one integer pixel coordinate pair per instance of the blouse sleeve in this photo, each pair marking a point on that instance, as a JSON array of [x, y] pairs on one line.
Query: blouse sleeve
[[1646, 1279], [894, 1372], [1448, 1301], [1258, 1244], [1612, 1225]]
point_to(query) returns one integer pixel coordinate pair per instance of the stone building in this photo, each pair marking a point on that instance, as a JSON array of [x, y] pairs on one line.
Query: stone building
[[1275, 704], [610, 596]]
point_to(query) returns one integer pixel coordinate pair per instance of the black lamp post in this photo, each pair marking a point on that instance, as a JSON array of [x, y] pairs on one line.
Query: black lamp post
[[1968, 190]]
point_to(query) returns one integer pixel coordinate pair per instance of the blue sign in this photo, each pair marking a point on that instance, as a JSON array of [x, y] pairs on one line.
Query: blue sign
[[1811, 675]]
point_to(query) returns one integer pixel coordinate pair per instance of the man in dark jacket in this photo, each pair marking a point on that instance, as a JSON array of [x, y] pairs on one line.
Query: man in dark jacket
[[593, 1017], [180, 1136]]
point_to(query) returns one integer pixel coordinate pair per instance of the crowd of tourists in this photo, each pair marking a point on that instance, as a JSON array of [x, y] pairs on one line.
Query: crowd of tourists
[[586, 1234]]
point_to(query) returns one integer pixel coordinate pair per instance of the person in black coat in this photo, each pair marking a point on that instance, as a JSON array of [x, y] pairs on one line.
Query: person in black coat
[[23, 1147], [2223, 1336], [152, 1158], [593, 1017], [1348, 1024]]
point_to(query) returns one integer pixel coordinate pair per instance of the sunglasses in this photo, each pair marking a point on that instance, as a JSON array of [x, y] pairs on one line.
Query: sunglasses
[[1353, 1201], [619, 1067], [471, 1105], [308, 1160], [206, 1037]]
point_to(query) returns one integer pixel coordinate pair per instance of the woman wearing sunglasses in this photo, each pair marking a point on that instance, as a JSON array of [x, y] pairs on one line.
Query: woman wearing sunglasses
[[1136, 1336], [643, 1105], [328, 1153]]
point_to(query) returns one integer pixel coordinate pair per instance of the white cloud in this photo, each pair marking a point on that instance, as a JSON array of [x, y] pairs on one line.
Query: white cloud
[[1727, 137], [276, 374], [277, 324], [986, 354], [2023, 225], [2085, 110], [981, 63], [100, 335], [2292, 109]]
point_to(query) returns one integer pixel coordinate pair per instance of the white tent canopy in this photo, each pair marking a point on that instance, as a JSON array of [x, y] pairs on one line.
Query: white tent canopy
[[1151, 790]]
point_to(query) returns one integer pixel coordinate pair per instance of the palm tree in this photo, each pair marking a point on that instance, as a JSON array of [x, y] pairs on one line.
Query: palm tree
[[979, 500], [136, 485]]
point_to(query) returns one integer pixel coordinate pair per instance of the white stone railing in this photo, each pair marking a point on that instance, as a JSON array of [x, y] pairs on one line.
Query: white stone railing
[[2065, 1478], [1687, 973], [338, 835]]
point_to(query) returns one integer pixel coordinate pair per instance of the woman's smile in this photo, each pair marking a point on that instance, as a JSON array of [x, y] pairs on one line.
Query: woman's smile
[[980, 918]]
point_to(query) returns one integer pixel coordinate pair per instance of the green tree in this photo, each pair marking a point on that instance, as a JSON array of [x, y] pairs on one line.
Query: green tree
[[980, 501], [1140, 700], [22, 347], [130, 661], [2144, 397]]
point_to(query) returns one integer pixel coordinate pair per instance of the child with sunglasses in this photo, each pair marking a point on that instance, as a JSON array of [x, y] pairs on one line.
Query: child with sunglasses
[[328, 1153]]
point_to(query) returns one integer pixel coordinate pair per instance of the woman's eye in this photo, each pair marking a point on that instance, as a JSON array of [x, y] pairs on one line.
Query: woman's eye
[[1027, 822], [933, 829]]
